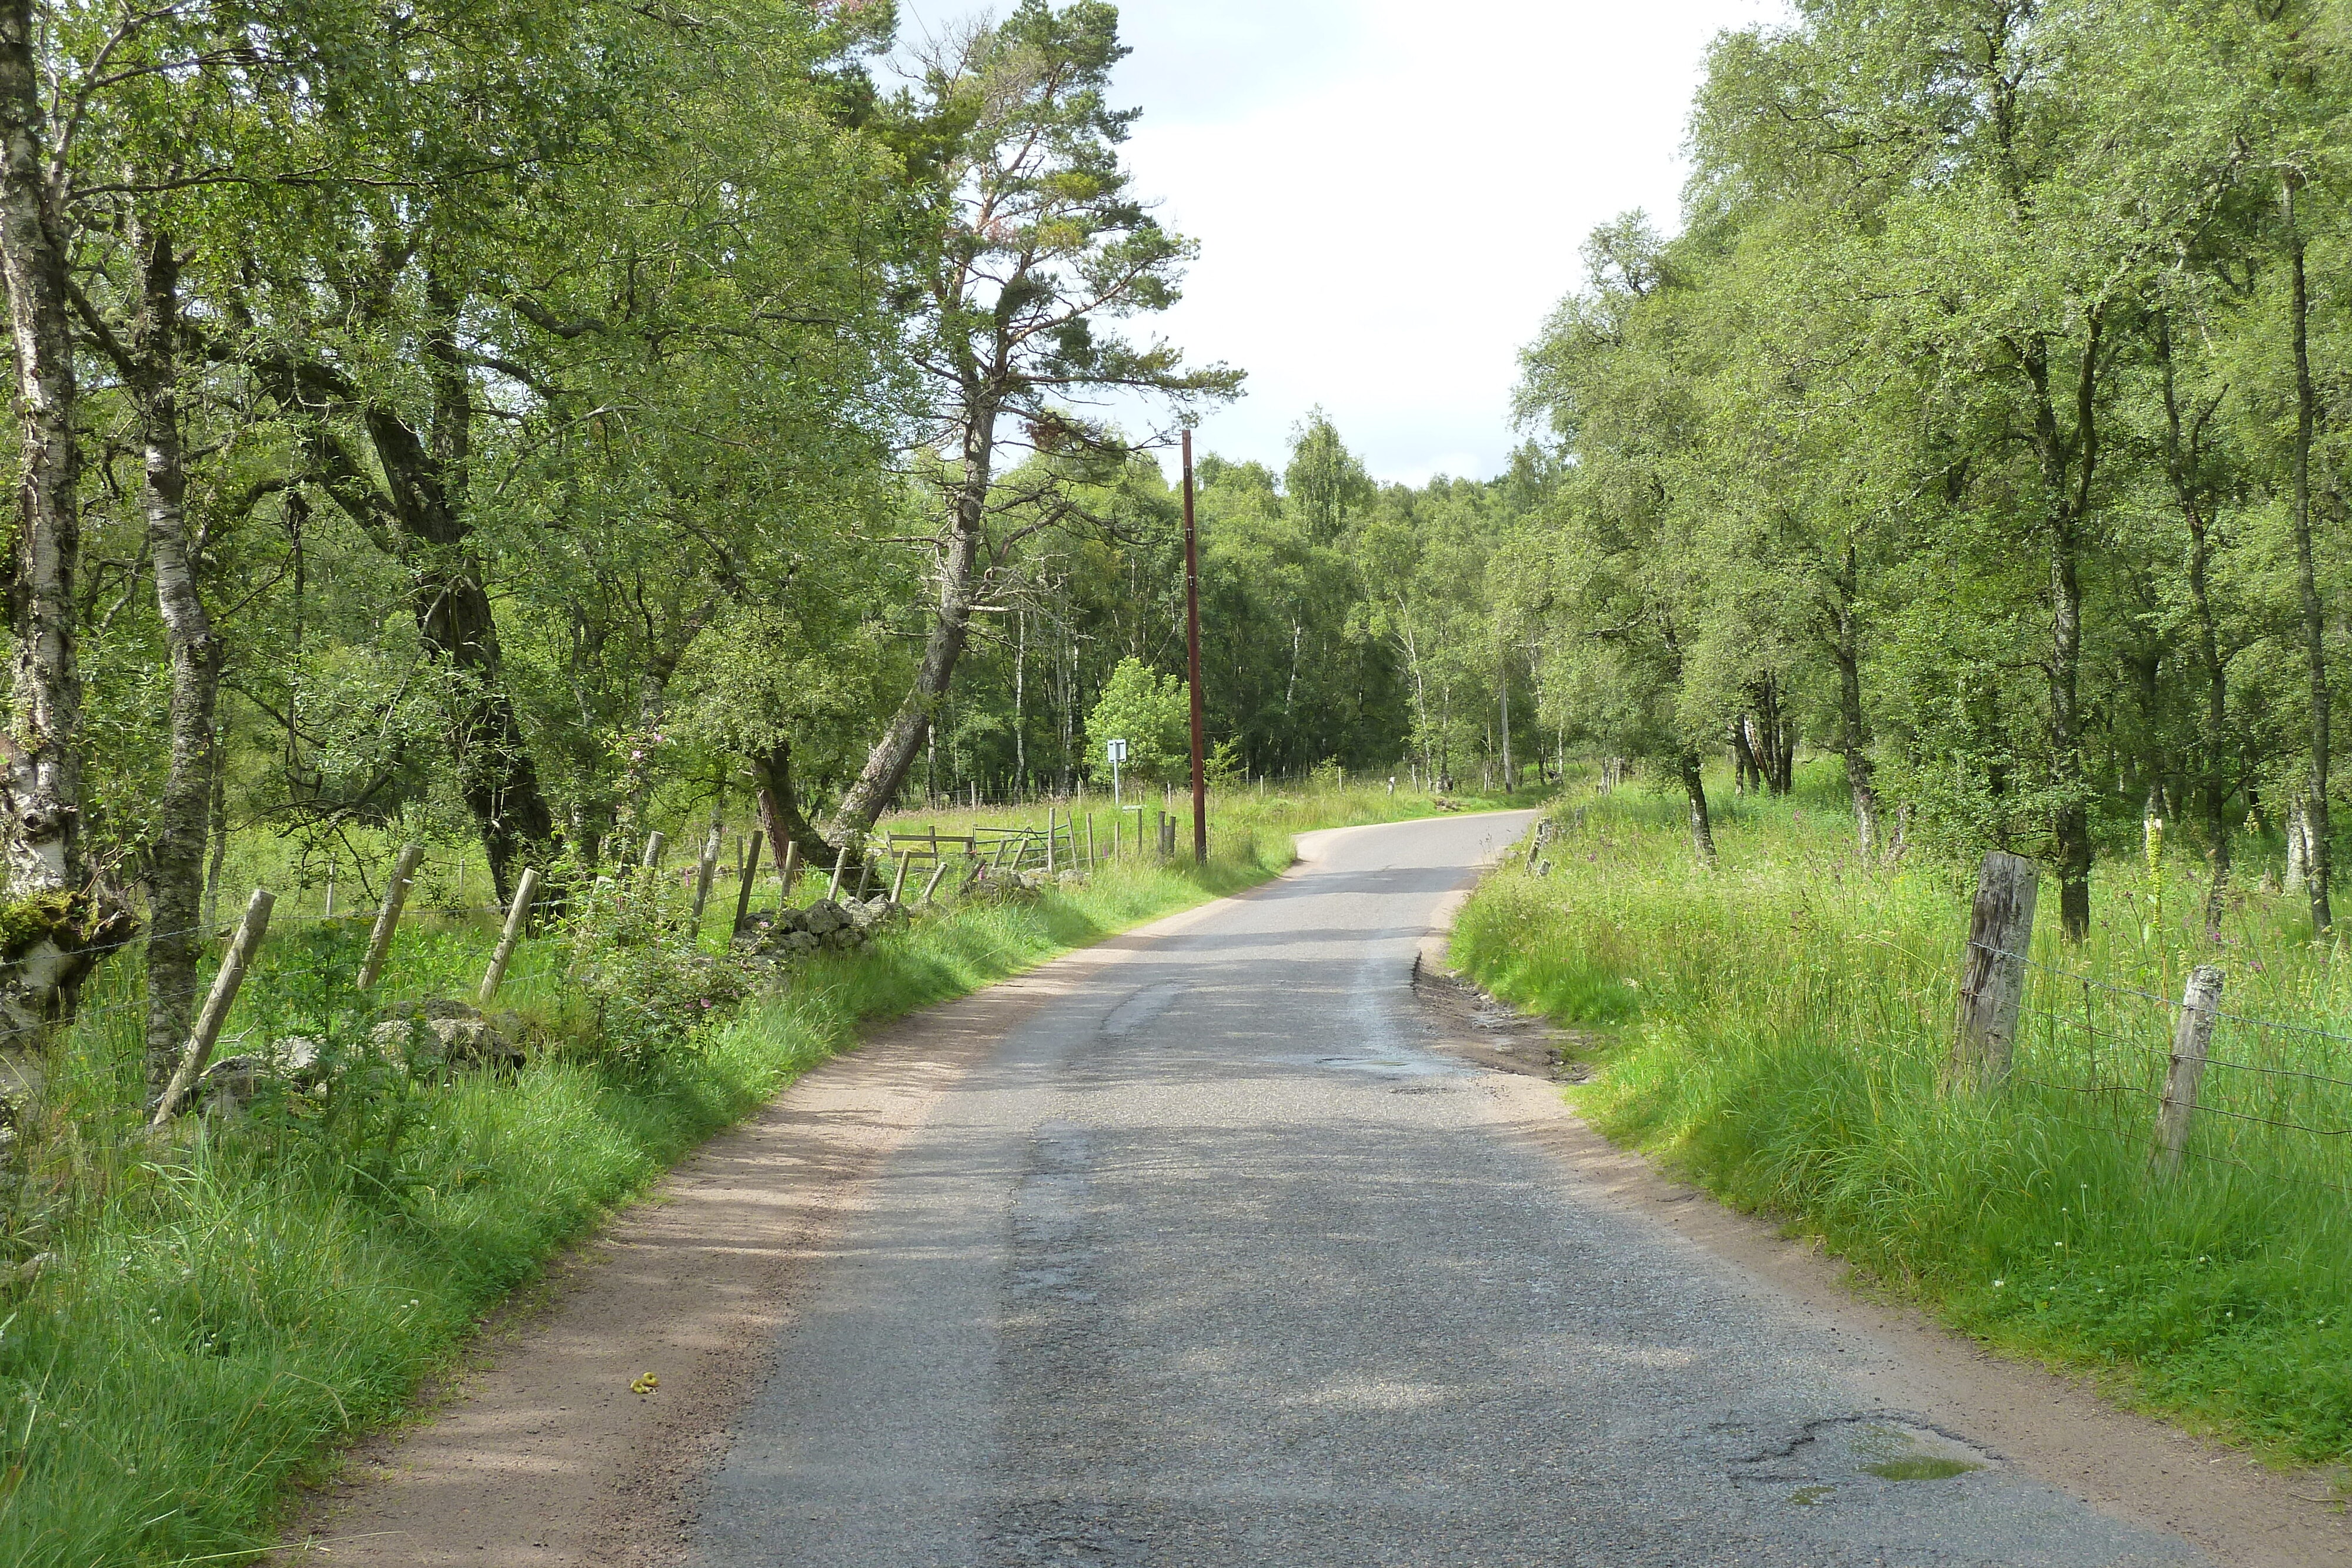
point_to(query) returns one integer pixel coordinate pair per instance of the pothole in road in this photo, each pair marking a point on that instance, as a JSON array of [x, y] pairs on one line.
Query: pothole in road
[[1473, 1026], [1387, 1066], [1899, 1451], [1879, 1446]]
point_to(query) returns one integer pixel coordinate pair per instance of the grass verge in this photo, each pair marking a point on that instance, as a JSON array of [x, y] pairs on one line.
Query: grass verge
[[187, 1327], [1777, 1029]]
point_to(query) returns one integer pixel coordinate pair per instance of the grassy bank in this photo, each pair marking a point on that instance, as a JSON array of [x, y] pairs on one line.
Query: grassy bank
[[1776, 1029], [209, 1318]]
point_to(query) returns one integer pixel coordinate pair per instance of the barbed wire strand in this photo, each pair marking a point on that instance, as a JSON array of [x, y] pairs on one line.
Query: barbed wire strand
[[2207, 1157]]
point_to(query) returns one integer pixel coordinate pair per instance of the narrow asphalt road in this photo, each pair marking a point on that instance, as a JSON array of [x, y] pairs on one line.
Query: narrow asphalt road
[[1215, 1261]]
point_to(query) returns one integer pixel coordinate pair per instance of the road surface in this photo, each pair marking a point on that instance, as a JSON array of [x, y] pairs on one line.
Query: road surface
[[1217, 1260]]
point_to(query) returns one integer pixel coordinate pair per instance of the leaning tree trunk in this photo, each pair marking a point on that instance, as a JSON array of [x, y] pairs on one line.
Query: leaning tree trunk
[[495, 776], [175, 857], [779, 808], [1702, 830], [56, 920], [886, 766], [2315, 624]]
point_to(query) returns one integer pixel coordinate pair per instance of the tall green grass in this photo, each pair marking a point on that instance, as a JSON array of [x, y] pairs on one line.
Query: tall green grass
[[219, 1312], [1778, 1028]]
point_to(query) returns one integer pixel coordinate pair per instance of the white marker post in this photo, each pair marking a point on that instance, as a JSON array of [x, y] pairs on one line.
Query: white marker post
[[1118, 750]]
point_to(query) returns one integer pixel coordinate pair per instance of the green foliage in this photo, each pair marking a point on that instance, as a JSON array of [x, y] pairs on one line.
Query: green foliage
[[649, 991], [1957, 427], [1153, 714]]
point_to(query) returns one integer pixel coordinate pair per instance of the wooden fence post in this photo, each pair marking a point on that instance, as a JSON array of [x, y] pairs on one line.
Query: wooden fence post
[[1049, 841], [788, 870], [1992, 969], [1091, 861], [931, 887], [517, 918], [751, 875], [840, 863], [898, 882], [2200, 1001], [224, 995], [395, 897], [653, 842], [703, 873]]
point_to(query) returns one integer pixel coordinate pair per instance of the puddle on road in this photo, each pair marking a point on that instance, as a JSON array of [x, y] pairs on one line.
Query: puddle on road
[[1390, 1066], [1899, 1451], [1881, 1448]]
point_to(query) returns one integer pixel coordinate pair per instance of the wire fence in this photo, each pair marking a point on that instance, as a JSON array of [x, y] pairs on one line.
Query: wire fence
[[301, 983], [2273, 1097]]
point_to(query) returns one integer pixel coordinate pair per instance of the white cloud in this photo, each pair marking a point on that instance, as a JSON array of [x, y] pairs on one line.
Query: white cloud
[[1389, 196]]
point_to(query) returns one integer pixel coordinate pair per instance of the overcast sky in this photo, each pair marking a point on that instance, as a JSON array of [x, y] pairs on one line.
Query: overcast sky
[[1388, 196]]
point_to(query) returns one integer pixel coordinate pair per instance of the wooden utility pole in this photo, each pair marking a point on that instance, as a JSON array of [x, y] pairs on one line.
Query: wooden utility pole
[[1193, 662]]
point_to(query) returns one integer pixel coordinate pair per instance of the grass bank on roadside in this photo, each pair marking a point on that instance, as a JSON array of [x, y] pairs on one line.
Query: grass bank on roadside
[[216, 1315], [1777, 1029]]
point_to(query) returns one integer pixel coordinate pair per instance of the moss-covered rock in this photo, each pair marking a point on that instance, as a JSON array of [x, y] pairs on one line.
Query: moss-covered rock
[[25, 923]]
